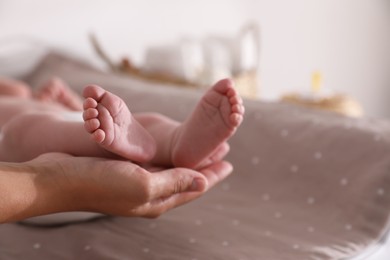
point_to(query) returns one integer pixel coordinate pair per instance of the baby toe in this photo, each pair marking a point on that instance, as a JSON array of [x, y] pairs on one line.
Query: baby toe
[[92, 125], [232, 92], [236, 119], [98, 136], [224, 86], [93, 91], [238, 108], [89, 103], [90, 113], [235, 100]]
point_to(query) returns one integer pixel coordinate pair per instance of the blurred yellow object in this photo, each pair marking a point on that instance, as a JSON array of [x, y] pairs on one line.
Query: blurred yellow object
[[337, 103], [316, 81], [322, 99]]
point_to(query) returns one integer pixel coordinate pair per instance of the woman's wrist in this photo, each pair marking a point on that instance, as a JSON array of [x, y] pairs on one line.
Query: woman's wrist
[[31, 189]]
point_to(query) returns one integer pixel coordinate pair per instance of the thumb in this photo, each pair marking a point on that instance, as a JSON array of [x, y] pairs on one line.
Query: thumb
[[177, 180]]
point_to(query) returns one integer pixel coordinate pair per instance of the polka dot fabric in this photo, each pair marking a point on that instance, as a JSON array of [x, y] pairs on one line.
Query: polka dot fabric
[[306, 185]]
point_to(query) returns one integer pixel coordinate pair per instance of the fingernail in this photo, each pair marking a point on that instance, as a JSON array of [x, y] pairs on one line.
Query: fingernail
[[198, 184]]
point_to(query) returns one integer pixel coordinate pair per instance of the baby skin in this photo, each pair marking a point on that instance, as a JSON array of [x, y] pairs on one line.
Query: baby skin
[[57, 91], [199, 140], [109, 129]]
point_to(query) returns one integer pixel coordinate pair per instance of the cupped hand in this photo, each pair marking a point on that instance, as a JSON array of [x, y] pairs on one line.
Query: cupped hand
[[122, 188]]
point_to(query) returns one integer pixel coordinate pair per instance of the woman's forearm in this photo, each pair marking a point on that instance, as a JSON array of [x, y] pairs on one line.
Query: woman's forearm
[[28, 190]]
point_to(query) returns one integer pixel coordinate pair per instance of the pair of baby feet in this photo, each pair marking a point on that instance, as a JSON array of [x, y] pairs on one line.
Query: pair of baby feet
[[200, 140]]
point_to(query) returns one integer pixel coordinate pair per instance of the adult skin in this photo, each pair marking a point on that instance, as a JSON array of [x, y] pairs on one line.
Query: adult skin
[[57, 182]]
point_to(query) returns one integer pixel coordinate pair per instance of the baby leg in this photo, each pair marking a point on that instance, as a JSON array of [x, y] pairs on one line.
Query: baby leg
[[15, 88], [57, 91], [30, 134]]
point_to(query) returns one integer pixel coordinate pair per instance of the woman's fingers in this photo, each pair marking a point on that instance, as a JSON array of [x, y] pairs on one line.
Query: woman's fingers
[[179, 189], [216, 172], [161, 205], [170, 188], [177, 180]]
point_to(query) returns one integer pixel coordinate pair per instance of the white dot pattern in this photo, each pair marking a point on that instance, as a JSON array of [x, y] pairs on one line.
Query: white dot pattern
[[310, 229], [294, 168], [311, 200], [344, 182], [198, 222], [278, 215], [380, 192], [348, 227], [284, 133], [266, 197], [236, 222], [255, 160], [318, 155], [225, 243]]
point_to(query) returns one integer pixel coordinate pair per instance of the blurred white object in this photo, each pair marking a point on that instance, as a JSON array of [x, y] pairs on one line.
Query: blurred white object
[[182, 60], [229, 56], [217, 60], [247, 49], [19, 55], [193, 62], [205, 61]]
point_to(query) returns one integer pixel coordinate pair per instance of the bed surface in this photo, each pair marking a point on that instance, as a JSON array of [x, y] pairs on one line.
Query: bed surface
[[307, 185]]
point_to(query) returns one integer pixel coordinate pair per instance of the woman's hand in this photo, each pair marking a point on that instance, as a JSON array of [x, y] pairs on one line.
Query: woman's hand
[[62, 182]]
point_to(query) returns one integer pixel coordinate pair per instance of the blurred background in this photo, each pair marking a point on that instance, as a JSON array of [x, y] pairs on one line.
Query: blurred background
[[348, 41]]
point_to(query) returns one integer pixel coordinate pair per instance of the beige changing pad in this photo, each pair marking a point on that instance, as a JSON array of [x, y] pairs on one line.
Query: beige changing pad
[[306, 185]]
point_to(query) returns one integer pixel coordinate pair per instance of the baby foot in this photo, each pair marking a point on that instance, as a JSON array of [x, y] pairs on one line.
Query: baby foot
[[57, 91], [15, 88], [214, 120], [111, 125]]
